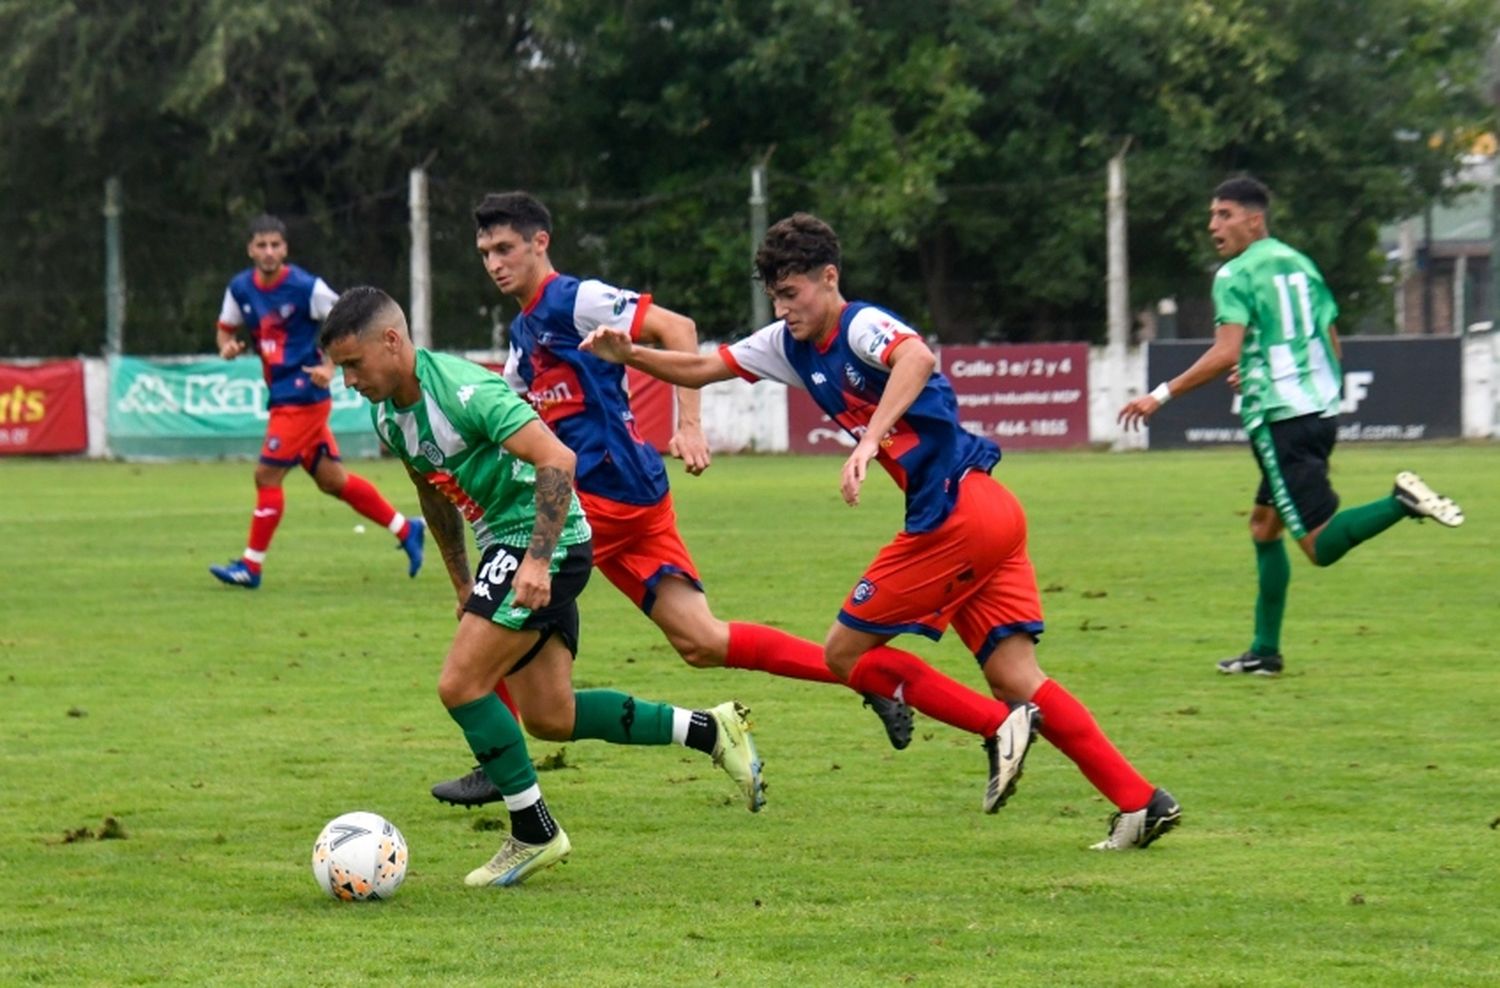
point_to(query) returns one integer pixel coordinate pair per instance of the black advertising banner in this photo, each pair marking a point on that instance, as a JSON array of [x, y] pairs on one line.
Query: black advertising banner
[[1396, 389]]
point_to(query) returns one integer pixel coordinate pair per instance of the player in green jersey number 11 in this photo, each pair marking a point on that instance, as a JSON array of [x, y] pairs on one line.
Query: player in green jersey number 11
[[1276, 336]]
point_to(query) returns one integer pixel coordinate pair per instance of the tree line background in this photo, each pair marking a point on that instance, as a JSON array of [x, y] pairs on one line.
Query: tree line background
[[958, 146]]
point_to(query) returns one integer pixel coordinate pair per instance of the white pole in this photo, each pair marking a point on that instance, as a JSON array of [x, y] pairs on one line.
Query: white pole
[[1460, 276], [760, 306], [1117, 280], [421, 261]]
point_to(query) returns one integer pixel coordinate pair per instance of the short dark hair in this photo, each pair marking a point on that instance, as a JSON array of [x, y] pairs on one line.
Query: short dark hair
[[357, 310], [266, 223], [521, 211], [799, 244], [1246, 191]]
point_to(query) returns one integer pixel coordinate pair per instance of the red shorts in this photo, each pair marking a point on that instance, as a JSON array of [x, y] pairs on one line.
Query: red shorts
[[636, 547], [299, 434], [972, 572]]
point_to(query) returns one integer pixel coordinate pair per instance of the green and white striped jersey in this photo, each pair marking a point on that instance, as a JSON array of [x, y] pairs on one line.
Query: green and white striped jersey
[[1287, 364], [452, 437]]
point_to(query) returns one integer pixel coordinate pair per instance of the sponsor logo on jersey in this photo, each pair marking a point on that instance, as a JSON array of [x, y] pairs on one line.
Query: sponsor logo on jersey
[[430, 449], [287, 310], [863, 591], [818, 377], [619, 305], [464, 394]]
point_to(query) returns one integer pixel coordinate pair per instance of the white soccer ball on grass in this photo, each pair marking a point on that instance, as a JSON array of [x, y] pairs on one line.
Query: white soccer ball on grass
[[359, 856]]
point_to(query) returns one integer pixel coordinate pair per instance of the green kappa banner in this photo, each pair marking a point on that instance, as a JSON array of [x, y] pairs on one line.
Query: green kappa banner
[[209, 408]]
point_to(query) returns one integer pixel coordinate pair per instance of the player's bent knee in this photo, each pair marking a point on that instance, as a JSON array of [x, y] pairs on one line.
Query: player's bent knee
[[546, 727], [699, 656]]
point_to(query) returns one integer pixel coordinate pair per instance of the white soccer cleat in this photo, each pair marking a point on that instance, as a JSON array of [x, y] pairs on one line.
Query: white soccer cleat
[[1424, 502], [1006, 751], [515, 861], [734, 752], [1138, 828]]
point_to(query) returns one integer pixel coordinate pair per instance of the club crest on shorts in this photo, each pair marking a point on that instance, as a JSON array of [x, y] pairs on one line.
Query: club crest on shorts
[[274, 443], [863, 591]]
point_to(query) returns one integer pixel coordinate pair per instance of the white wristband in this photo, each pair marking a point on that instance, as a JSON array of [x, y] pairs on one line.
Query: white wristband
[[1162, 393]]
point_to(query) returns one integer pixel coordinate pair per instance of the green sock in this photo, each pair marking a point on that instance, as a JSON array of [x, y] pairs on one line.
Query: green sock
[[1270, 602], [495, 738], [1348, 529], [619, 718]]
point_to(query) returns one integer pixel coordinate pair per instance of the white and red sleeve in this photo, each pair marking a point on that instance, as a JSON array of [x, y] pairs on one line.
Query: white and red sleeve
[[230, 317], [761, 356], [321, 302], [874, 335], [598, 304]]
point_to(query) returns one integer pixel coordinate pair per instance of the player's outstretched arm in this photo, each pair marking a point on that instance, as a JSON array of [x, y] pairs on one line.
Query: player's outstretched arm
[[675, 331], [1222, 356], [688, 370], [554, 463], [447, 527]]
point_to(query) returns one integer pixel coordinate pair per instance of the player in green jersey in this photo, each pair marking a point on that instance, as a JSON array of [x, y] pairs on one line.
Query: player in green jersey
[[477, 452], [1276, 336]]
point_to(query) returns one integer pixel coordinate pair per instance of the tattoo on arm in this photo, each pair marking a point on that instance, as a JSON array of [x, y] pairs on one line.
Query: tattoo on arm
[[446, 526], [554, 493]]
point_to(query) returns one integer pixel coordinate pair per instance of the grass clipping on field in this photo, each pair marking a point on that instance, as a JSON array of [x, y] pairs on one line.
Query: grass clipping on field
[[110, 829]]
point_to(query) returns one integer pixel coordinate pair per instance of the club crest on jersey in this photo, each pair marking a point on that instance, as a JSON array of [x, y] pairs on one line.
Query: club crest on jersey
[[853, 378], [863, 591], [287, 309], [429, 449]]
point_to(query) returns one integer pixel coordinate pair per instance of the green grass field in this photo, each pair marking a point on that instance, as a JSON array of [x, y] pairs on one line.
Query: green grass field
[[1339, 823]]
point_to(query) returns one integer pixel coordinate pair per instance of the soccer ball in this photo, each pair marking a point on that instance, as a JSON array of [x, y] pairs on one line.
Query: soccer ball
[[359, 856]]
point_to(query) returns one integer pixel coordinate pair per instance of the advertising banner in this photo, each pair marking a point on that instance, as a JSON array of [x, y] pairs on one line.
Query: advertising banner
[[42, 408], [652, 402], [210, 408], [1022, 395], [1396, 389]]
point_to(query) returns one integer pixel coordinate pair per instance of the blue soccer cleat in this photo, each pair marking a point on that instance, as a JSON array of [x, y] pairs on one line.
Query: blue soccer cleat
[[236, 574], [416, 537]]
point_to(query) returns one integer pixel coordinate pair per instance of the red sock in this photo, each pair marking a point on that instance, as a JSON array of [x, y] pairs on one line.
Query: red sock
[[362, 496], [755, 646], [885, 670], [504, 695], [1069, 726], [270, 502]]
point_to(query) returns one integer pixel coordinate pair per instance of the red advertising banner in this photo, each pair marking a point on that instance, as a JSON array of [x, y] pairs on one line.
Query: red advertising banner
[[1022, 395], [42, 408], [651, 402]]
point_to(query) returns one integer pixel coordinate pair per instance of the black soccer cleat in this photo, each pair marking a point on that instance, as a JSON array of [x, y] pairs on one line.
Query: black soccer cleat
[[1137, 829], [895, 715], [474, 789], [1251, 664]]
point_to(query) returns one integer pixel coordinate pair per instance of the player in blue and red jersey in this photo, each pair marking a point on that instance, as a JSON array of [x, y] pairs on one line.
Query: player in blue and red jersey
[[280, 306], [621, 480], [961, 558]]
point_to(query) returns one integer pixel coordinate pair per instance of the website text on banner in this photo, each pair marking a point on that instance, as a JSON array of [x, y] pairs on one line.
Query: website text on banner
[[210, 408], [1022, 395], [42, 408], [1396, 389]]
